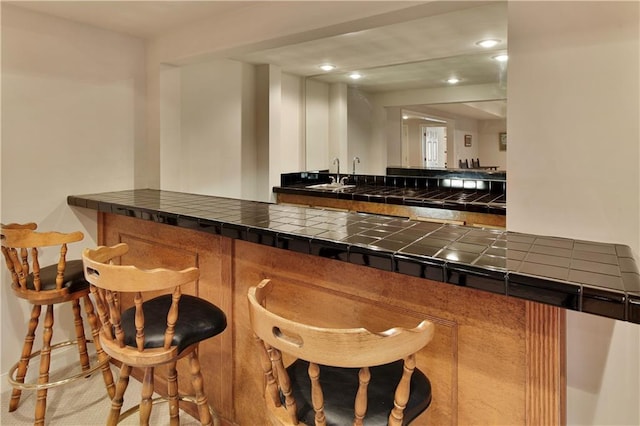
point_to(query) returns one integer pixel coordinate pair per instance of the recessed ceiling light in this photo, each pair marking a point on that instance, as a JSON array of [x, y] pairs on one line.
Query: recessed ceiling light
[[327, 67], [453, 80], [488, 43], [501, 58], [404, 117], [355, 76]]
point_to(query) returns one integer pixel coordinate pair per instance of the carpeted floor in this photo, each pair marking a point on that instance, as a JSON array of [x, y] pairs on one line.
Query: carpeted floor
[[83, 403]]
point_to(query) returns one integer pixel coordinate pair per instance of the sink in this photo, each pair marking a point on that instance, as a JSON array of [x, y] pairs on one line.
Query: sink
[[330, 186]]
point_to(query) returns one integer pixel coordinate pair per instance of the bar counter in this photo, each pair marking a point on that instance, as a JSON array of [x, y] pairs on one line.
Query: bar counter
[[452, 199], [597, 278], [497, 298], [462, 197]]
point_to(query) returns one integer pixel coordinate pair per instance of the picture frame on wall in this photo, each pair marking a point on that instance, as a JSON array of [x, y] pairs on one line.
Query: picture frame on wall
[[502, 141], [467, 140]]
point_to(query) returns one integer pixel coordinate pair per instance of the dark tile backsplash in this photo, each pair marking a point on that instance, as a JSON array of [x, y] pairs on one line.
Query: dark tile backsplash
[[602, 279]]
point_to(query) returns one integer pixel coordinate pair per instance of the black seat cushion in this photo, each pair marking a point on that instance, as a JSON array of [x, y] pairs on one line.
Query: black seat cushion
[[197, 320], [73, 277], [340, 385]]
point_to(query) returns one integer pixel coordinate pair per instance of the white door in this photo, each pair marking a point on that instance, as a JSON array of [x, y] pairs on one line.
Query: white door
[[430, 151]]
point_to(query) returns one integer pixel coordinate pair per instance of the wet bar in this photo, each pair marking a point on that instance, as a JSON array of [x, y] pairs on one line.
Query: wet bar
[[463, 197], [498, 298]]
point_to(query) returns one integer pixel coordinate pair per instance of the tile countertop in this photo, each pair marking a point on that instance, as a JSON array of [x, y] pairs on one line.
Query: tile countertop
[[474, 191], [452, 199], [598, 278]]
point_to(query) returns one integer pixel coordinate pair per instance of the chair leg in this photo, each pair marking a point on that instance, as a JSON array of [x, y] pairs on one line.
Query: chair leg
[[102, 356], [402, 392], [45, 362], [172, 395], [82, 340], [24, 358], [147, 393], [201, 397], [117, 400]]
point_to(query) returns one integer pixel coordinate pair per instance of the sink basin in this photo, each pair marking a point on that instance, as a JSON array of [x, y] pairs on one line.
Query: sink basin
[[330, 186]]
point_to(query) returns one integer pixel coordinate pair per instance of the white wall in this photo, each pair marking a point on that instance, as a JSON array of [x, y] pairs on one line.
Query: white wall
[[414, 143], [293, 157], [574, 157], [488, 147], [360, 128], [317, 130], [463, 127], [229, 128], [170, 130], [387, 133], [217, 37], [72, 123], [338, 128], [279, 129], [326, 123], [205, 155], [274, 104], [250, 162]]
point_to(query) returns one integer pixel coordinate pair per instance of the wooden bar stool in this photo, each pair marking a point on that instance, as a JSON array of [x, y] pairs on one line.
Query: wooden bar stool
[[47, 286], [340, 376], [152, 332]]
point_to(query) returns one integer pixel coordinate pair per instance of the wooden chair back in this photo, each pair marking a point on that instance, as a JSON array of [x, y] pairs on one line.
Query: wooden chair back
[[21, 247], [347, 348], [109, 279], [48, 285]]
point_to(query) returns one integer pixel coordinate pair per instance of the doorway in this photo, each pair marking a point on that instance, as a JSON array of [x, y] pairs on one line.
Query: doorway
[[434, 145]]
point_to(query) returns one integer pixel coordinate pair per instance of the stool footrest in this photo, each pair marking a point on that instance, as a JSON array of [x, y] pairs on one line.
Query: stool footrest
[[68, 379]]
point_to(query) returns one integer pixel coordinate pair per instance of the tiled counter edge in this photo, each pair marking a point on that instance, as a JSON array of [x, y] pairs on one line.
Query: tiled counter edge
[[596, 278]]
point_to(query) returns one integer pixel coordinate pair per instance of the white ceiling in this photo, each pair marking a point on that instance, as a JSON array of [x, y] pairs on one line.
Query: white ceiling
[[144, 19], [417, 53], [431, 49]]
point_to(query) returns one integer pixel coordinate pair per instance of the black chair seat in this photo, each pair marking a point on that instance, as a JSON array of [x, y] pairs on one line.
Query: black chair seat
[[73, 277], [340, 385], [197, 320]]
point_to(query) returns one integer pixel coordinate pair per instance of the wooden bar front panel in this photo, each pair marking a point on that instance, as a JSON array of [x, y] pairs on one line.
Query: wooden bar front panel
[[478, 363], [152, 245]]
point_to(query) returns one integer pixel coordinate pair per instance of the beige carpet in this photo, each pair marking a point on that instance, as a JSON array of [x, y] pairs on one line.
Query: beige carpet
[[83, 403]]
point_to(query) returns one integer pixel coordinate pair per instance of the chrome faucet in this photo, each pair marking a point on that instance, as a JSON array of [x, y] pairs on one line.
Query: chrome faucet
[[337, 161], [354, 164]]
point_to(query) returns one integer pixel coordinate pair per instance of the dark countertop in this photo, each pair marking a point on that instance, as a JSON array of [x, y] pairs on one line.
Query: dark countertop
[[445, 198], [451, 189], [598, 278]]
